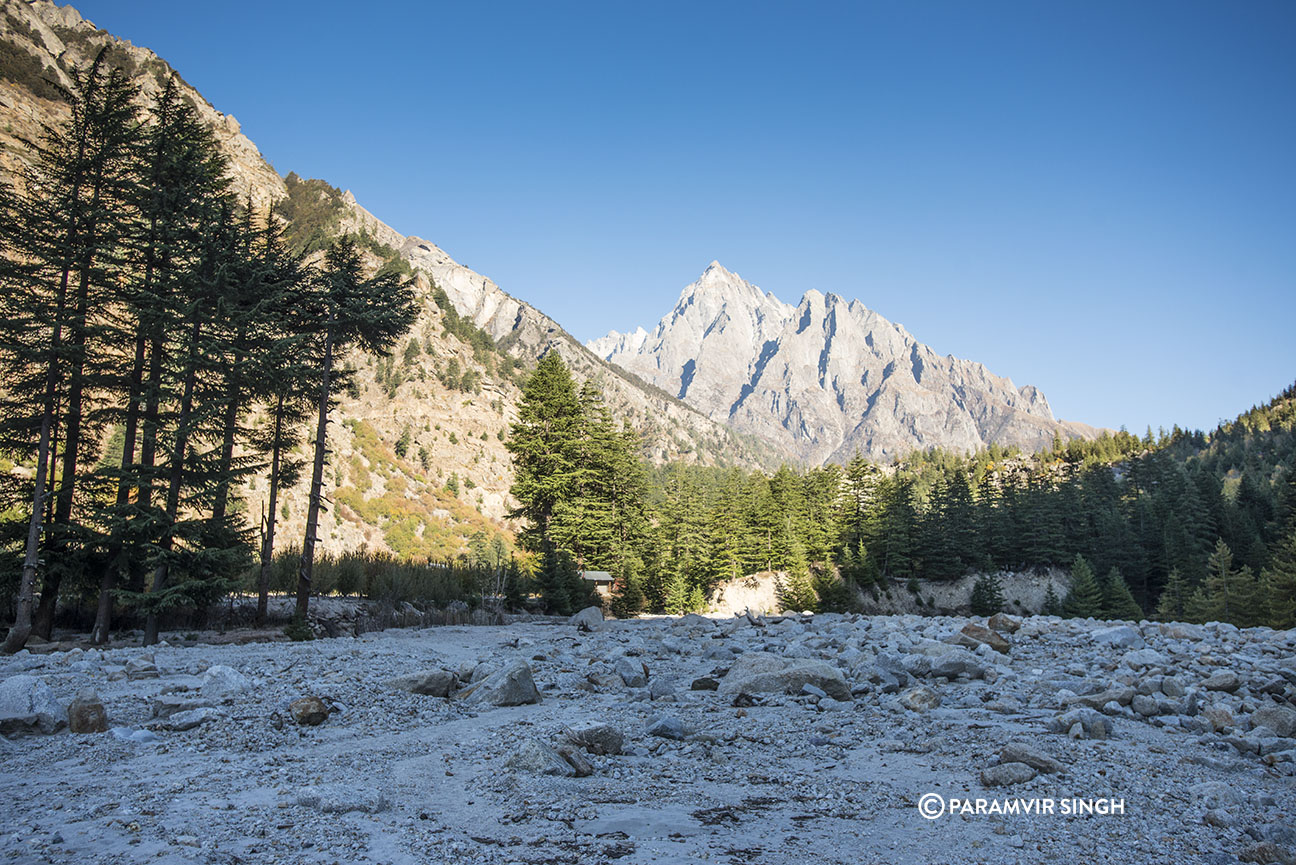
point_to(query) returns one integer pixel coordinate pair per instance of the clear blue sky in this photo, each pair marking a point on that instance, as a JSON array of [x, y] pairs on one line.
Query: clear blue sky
[[1097, 198]]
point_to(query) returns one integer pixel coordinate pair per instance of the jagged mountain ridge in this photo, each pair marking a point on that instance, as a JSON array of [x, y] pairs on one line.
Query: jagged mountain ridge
[[826, 378], [384, 501]]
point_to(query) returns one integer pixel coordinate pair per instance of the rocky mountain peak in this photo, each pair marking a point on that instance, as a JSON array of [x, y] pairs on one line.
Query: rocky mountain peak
[[825, 378]]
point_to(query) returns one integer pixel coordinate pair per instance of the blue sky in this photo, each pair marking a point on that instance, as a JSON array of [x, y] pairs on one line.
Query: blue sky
[[1096, 198]]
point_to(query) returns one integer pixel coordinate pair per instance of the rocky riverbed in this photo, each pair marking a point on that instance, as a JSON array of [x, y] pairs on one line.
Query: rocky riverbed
[[741, 740]]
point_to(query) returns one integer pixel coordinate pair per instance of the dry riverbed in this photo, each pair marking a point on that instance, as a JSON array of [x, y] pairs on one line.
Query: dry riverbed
[[794, 740]]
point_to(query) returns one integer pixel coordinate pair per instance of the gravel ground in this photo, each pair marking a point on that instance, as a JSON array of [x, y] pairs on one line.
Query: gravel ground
[[816, 744]]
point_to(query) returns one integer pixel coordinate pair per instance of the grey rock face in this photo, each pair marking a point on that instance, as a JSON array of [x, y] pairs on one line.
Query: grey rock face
[[824, 378], [511, 686]]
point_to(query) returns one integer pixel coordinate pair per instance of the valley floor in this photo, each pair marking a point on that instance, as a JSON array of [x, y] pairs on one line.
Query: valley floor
[[759, 776]]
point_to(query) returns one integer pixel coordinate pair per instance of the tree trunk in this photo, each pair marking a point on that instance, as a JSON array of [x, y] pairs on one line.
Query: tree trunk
[[267, 538], [175, 480], [317, 483], [117, 553], [229, 426]]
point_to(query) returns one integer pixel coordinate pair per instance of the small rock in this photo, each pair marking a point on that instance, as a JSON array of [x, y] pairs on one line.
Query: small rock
[[341, 798], [920, 699], [1018, 752], [141, 668], [705, 683], [87, 713], [974, 635], [1005, 774], [1222, 680], [633, 673], [1120, 636], [1004, 623], [667, 727], [309, 711], [1219, 717], [187, 720], [579, 763]]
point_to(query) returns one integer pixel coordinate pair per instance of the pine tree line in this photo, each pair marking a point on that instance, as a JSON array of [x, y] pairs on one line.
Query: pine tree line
[[147, 315], [1137, 520]]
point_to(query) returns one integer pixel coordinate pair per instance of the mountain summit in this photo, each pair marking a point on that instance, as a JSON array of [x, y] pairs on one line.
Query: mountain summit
[[825, 378]]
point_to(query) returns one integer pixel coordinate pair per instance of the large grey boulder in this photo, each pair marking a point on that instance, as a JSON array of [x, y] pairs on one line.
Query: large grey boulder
[[221, 681], [28, 705], [763, 673], [433, 682], [588, 619], [535, 756], [510, 686], [1280, 719]]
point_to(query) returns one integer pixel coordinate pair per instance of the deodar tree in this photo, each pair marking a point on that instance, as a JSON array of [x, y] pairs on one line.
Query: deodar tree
[[369, 314]]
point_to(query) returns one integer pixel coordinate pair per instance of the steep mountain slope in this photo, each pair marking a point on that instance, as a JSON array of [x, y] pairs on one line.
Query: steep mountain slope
[[452, 395], [826, 378]]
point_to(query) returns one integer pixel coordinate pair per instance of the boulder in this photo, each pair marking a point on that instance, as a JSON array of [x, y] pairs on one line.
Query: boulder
[[1119, 636], [761, 672], [633, 673], [1122, 695], [974, 635], [597, 739], [1083, 723], [510, 686], [87, 713], [28, 705], [1281, 719], [341, 798], [667, 727], [537, 757], [309, 711], [187, 720], [1004, 623], [920, 699], [169, 704], [141, 668], [704, 683], [1005, 774], [579, 762], [221, 681], [693, 620], [1222, 680], [1019, 752], [588, 619], [433, 682]]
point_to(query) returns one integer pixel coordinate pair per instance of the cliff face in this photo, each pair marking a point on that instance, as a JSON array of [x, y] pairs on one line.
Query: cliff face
[[454, 479], [826, 378]]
